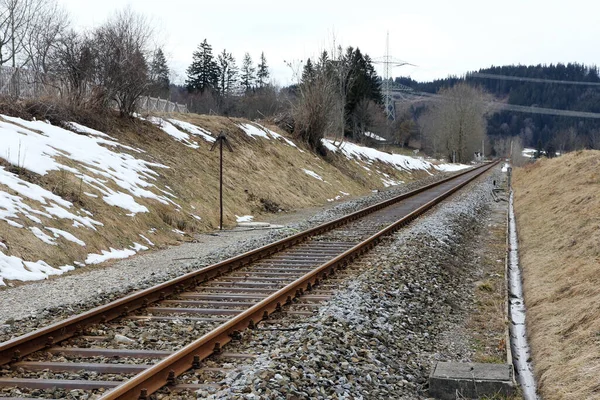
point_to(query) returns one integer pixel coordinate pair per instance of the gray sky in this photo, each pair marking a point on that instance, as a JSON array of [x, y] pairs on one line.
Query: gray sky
[[440, 37]]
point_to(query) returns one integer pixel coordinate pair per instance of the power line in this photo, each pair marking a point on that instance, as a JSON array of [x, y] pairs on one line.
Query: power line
[[418, 97], [524, 79]]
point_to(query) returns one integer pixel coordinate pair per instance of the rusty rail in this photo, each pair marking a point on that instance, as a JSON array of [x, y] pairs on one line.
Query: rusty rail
[[157, 376], [15, 349]]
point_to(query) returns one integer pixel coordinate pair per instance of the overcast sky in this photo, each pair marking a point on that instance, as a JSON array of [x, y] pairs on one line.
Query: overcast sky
[[439, 37]]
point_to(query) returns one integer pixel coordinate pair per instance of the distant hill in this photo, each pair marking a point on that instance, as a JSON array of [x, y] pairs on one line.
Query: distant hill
[[537, 129]]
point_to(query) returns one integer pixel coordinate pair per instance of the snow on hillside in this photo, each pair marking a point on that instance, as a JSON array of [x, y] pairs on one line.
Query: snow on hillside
[[105, 171], [369, 155], [256, 130]]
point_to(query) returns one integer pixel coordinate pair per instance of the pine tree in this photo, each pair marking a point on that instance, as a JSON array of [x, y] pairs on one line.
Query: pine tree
[[247, 78], [262, 74], [203, 73], [308, 72], [227, 73], [159, 75]]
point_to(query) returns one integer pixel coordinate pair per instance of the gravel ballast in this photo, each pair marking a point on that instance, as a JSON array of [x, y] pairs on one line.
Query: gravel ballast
[[27, 307], [379, 335]]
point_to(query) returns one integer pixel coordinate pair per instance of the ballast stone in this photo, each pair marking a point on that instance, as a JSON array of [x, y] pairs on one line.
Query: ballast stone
[[470, 380]]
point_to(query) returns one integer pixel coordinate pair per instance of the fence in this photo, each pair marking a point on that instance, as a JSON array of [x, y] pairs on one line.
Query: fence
[[152, 104], [20, 83]]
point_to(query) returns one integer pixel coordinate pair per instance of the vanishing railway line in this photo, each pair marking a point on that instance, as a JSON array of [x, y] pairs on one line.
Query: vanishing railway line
[[131, 347]]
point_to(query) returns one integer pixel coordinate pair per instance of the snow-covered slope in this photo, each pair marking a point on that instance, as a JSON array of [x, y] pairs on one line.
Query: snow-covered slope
[[158, 184]]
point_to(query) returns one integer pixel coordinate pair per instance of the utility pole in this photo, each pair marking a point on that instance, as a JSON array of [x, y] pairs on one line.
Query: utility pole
[[389, 63], [220, 140]]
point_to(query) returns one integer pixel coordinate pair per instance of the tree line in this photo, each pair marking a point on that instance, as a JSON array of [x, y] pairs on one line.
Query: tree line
[[216, 84], [110, 65], [540, 131]]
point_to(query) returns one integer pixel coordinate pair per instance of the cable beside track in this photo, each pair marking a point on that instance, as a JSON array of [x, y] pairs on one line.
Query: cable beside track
[[273, 276]]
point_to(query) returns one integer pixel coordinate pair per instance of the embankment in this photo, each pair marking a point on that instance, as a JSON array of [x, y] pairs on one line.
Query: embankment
[[557, 203]]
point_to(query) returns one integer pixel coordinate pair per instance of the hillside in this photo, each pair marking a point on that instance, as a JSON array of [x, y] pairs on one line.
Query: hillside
[[536, 129], [558, 217], [73, 195]]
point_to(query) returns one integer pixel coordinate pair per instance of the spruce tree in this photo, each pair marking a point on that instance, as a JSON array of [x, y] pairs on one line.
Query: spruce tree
[[262, 74], [159, 75], [308, 72], [247, 77], [203, 73], [227, 73]]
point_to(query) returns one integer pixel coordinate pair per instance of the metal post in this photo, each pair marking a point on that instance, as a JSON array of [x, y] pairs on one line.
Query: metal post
[[221, 183], [221, 139]]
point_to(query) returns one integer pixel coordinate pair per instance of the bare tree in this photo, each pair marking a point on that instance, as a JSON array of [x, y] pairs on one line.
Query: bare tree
[[72, 62], [455, 126], [16, 21], [122, 48], [48, 27], [342, 68], [314, 109]]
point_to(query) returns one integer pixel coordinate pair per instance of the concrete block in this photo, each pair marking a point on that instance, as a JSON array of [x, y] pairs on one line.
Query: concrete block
[[470, 380]]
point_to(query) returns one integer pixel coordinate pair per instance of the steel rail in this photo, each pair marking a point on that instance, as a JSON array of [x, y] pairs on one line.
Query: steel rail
[[166, 371], [16, 348]]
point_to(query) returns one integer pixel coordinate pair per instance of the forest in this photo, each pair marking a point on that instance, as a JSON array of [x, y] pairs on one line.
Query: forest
[[536, 130]]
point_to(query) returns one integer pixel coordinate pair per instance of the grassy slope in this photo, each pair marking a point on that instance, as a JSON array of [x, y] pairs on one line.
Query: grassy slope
[[558, 214], [257, 169]]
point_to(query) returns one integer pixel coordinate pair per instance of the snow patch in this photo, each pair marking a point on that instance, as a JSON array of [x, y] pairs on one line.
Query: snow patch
[[36, 146], [368, 154], [244, 218], [172, 131], [313, 174], [193, 129], [66, 235], [111, 254], [265, 133], [43, 236], [374, 136], [14, 268]]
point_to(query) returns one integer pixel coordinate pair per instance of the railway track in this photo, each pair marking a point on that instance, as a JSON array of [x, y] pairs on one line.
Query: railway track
[[131, 347]]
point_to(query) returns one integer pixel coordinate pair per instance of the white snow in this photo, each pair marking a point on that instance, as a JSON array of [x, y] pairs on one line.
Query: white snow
[[147, 240], [125, 201], [108, 255], [84, 129], [15, 206], [374, 136], [368, 154], [43, 236], [451, 167], [244, 218], [193, 129], [68, 236], [398, 161], [171, 130], [505, 167], [254, 130], [36, 146], [13, 268], [313, 174], [138, 247], [529, 152], [196, 217]]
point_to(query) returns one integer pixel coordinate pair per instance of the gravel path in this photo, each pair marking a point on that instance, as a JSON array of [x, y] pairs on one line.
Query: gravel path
[[27, 307], [378, 336]]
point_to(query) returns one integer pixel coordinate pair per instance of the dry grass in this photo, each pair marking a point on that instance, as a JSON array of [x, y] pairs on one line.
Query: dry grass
[[260, 177], [488, 322], [557, 203]]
